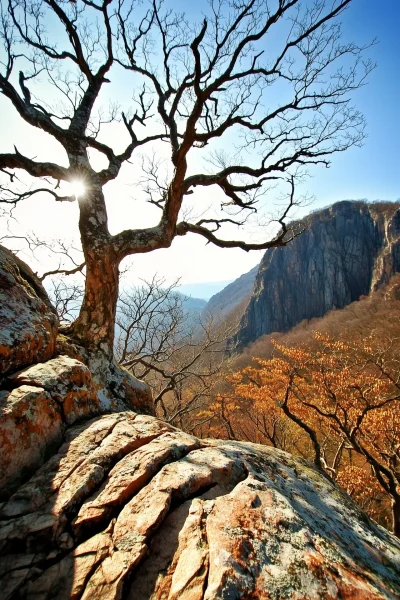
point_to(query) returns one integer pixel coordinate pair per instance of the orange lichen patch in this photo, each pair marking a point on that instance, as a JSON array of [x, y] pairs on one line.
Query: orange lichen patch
[[81, 442], [30, 427], [350, 584]]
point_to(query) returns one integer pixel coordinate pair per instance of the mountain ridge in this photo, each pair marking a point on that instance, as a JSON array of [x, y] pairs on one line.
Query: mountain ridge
[[346, 251]]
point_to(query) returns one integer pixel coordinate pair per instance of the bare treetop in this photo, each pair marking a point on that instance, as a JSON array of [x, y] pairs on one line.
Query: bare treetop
[[262, 88]]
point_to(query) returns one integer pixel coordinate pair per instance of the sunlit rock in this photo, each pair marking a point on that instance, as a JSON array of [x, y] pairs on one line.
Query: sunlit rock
[[132, 508]]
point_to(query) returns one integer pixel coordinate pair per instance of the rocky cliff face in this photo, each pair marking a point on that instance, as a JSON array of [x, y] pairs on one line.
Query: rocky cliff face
[[345, 252], [124, 506]]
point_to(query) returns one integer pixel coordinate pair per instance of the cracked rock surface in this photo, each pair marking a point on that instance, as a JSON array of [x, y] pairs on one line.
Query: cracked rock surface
[[131, 508], [43, 400]]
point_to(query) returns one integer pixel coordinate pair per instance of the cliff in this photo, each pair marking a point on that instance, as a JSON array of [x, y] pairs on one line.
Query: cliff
[[345, 252], [124, 506]]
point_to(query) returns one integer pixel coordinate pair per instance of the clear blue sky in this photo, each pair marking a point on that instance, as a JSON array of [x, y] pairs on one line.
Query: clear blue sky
[[373, 171]]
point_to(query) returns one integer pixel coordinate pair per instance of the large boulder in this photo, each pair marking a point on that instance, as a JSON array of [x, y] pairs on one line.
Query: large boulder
[[69, 383], [43, 400], [132, 508], [28, 321], [30, 429]]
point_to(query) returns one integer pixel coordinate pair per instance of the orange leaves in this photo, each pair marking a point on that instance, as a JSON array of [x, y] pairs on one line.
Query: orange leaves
[[336, 398], [363, 487]]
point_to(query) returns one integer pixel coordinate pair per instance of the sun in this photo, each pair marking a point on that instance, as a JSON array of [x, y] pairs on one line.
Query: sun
[[78, 188]]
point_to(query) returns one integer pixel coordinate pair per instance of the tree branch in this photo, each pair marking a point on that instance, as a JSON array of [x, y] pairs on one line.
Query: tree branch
[[36, 169]]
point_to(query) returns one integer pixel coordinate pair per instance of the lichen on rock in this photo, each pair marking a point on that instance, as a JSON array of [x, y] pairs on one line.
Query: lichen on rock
[[69, 383], [30, 428], [131, 507]]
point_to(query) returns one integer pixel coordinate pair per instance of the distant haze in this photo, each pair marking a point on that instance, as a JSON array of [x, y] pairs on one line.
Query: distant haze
[[204, 290]]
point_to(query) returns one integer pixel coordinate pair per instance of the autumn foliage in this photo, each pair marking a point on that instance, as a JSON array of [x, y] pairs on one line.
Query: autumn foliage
[[334, 400]]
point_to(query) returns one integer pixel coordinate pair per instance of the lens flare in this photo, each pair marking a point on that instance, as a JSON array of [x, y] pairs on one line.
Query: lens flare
[[78, 188]]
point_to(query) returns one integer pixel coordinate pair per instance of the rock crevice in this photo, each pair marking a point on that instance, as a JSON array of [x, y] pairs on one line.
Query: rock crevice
[[130, 507]]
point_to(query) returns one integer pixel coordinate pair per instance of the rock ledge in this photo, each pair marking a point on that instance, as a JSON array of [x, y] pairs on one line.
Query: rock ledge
[[132, 508]]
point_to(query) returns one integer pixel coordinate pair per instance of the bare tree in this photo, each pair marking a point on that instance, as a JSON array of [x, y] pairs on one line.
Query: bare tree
[[194, 85], [67, 298], [65, 256], [149, 318], [66, 259], [179, 355]]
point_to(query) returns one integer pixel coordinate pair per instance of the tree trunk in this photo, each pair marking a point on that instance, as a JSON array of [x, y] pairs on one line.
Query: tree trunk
[[94, 328], [396, 516]]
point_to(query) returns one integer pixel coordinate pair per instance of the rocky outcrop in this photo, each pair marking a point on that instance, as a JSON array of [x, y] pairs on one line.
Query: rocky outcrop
[[34, 412], [345, 252], [233, 295], [30, 429], [130, 507], [69, 383], [56, 387], [28, 322], [126, 506], [41, 401]]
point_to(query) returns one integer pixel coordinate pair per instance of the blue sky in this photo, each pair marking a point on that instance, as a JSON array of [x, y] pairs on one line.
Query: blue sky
[[372, 171]]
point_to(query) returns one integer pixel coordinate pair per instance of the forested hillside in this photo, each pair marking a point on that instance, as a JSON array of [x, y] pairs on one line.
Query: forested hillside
[[327, 390]]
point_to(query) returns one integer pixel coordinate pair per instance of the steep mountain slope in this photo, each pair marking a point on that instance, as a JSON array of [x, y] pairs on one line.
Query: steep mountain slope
[[223, 303], [376, 315], [346, 251]]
